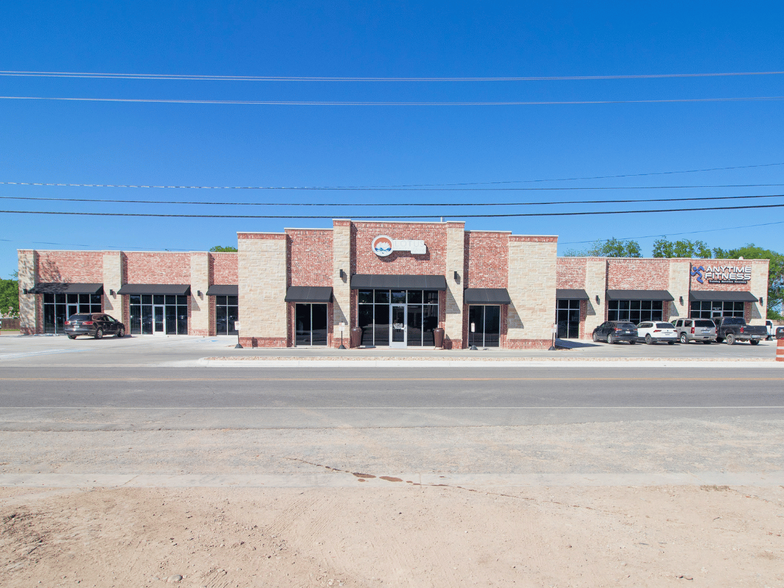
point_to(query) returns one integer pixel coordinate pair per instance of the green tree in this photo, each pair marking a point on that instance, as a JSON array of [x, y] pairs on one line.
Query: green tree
[[608, 248], [221, 249], [9, 298], [775, 272], [685, 248]]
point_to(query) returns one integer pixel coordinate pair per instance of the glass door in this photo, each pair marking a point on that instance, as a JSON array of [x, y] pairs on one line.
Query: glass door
[[397, 318], [158, 323]]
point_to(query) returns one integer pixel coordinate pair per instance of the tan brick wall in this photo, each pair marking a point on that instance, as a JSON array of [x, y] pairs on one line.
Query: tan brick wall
[[759, 287], [679, 288], [27, 302], [532, 279], [453, 300], [199, 320], [342, 308], [112, 281], [262, 289], [595, 286]]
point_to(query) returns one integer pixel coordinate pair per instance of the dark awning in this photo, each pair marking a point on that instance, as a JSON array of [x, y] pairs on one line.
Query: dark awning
[[723, 296], [229, 290], [639, 295], [567, 294], [309, 294], [486, 296], [172, 289], [365, 281], [63, 288]]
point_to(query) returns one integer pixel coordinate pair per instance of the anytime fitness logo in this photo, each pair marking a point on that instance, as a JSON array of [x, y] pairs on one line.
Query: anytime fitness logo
[[722, 274], [697, 271]]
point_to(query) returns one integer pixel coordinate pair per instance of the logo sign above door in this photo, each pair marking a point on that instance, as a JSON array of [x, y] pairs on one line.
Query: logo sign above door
[[384, 246]]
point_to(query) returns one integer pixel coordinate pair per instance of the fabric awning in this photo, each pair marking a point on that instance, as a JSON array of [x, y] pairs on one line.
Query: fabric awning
[[486, 296], [406, 282], [723, 296], [567, 294], [310, 294], [227, 290], [172, 289], [639, 295], [63, 288]]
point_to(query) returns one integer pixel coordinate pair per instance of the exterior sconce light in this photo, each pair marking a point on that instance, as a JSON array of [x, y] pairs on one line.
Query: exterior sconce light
[[199, 294], [24, 291], [681, 300], [112, 293], [342, 275], [761, 301], [457, 276], [597, 299]]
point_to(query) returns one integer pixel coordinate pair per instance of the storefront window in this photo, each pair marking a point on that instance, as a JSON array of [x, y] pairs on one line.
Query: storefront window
[[58, 307], [226, 314], [487, 325], [158, 313], [567, 317], [311, 324], [635, 311], [419, 307], [707, 309]]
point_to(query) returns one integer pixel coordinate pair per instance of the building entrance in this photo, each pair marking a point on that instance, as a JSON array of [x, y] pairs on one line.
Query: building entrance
[[397, 318]]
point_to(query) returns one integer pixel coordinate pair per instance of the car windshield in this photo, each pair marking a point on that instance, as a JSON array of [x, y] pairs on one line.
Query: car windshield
[[664, 326], [81, 317], [703, 323], [626, 326]]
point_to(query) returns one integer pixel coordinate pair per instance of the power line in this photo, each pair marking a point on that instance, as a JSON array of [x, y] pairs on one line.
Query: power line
[[390, 204], [385, 103], [679, 234], [224, 78], [510, 215]]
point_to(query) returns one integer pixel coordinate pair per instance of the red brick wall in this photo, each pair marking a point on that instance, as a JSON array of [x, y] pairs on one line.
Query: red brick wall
[[486, 259], [73, 267], [638, 274], [157, 268], [309, 257], [706, 263], [399, 263], [223, 268], [570, 272]]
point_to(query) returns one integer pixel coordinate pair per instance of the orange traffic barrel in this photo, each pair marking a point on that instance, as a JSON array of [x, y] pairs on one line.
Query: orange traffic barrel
[[779, 349]]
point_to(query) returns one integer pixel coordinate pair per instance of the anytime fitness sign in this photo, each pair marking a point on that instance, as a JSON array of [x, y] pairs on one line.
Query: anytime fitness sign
[[722, 274], [383, 246]]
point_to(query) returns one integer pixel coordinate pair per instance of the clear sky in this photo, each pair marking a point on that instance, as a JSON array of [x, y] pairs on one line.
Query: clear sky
[[446, 135]]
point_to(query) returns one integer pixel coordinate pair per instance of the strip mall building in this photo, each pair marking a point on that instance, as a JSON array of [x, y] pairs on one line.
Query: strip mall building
[[399, 282]]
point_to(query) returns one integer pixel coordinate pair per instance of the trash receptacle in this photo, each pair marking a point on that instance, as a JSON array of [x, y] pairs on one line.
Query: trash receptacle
[[356, 336], [438, 335]]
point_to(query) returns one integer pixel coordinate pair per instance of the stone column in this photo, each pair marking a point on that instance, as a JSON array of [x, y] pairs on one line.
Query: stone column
[[758, 287], [112, 282], [455, 262], [341, 287], [532, 280], [28, 310], [200, 305], [679, 282], [595, 286], [261, 270]]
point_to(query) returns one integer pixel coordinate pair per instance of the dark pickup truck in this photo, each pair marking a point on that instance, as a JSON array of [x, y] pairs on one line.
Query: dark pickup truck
[[731, 329]]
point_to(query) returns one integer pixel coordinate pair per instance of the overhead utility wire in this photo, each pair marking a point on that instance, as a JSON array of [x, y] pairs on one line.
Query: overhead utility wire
[[385, 103], [539, 180], [216, 78], [677, 234], [372, 189], [389, 204], [511, 215]]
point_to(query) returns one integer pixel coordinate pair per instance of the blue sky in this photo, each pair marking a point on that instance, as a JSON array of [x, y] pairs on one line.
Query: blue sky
[[480, 146]]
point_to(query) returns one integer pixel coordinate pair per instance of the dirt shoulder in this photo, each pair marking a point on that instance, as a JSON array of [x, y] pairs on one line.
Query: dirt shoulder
[[404, 535]]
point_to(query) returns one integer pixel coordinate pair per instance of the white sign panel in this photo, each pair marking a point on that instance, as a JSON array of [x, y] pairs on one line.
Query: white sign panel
[[384, 246]]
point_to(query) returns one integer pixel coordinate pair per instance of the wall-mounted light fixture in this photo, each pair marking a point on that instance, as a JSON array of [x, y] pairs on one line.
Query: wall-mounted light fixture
[[457, 276], [112, 293], [24, 291], [681, 300], [761, 301], [199, 294], [597, 299], [342, 275]]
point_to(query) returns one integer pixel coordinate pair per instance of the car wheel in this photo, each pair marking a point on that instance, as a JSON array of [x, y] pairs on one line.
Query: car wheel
[[595, 338], [670, 342], [120, 333], [648, 339], [72, 336], [730, 339], [98, 333], [610, 339], [632, 342], [754, 342], [684, 339]]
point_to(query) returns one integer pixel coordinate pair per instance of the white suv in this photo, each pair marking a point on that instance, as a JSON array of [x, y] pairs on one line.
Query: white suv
[[653, 332]]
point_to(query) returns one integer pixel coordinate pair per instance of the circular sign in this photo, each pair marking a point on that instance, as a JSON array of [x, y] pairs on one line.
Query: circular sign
[[382, 246]]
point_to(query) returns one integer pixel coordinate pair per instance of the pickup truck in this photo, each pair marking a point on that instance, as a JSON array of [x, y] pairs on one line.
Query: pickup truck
[[731, 329]]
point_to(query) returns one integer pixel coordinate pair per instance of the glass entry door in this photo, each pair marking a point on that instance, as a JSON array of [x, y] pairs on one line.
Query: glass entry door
[[158, 323], [397, 318], [567, 316]]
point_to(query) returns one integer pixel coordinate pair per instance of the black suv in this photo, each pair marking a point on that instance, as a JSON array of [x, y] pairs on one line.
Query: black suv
[[614, 331], [94, 325]]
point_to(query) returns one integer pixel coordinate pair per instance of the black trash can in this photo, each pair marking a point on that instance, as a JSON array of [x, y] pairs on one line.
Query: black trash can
[[438, 335], [356, 336]]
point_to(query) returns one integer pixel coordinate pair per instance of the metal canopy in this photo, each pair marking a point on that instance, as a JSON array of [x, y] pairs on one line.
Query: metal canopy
[[486, 296], [63, 288], [171, 289], [228, 290], [722, 296], [406, 282], [639, 295], [309, 294], [567, 294]]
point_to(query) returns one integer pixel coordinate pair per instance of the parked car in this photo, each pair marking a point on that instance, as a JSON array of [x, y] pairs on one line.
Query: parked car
[[695, 330], [615, 331], [771, 329], [94, 325], [779, 332], [731, 329], [653, 332]]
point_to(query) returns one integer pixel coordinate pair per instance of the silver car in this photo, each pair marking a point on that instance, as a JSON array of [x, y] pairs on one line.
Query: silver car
[[696, 330]]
